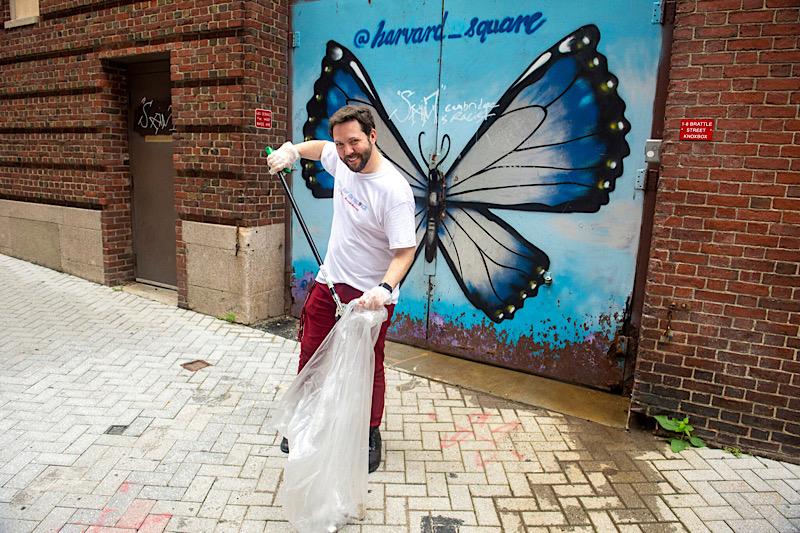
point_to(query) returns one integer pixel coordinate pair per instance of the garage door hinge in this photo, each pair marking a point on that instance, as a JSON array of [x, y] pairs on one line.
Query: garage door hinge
[[657, 16], [294, 39], [640, 183]]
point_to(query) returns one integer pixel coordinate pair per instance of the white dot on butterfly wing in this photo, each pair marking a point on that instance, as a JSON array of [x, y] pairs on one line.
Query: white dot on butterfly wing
[[544, 58], [336, 53]]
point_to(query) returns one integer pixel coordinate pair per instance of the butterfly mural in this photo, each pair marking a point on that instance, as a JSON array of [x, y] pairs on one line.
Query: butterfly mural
[[554, 142]]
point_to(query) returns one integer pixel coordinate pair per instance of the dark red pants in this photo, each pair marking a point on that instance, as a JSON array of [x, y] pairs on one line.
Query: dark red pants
[[316, 321]]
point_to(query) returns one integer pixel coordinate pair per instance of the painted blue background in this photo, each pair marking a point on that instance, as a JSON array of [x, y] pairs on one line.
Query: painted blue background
[[593, 255]]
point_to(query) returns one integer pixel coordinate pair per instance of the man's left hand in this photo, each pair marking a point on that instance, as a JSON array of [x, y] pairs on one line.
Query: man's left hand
[[375, 298]]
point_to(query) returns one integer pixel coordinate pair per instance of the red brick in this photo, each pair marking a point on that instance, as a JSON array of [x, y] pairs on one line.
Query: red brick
[[780, 56], [718, 5], [748, 17], [731, 405], [777, 84], [757, 240], [781, 29], [769, 137], [716, 32], [767, 399], [749, 44], [770, 111]]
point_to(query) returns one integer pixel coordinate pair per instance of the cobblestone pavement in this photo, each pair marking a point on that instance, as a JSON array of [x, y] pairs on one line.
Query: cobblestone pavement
[[102, 430]]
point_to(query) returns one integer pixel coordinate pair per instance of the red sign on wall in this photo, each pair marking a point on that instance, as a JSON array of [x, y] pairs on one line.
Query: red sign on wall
[[696, 130], [264, 118]]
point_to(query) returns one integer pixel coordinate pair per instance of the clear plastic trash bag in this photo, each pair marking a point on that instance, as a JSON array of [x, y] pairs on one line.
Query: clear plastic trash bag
[[325, 417]]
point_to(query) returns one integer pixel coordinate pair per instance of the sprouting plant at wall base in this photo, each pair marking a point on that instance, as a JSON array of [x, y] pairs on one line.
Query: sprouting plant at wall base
[[229, 317], [683, 430], [733, 450]]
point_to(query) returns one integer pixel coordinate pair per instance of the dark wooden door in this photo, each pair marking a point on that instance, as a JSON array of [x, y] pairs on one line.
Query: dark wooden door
[[153, 174]]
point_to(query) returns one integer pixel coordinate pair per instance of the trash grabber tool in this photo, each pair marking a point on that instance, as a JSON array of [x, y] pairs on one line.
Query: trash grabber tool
[[296, 209]]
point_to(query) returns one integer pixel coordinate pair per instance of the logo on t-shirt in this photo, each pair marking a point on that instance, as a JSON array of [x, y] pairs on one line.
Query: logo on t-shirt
[[351, 199]]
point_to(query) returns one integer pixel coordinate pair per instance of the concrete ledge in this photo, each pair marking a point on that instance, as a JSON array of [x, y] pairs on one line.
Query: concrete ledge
[[24, 21], [68, 239], [235, 270]]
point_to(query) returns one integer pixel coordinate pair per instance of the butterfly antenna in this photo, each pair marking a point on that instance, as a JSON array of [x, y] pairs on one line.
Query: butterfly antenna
[[441, 148], [419, 145]]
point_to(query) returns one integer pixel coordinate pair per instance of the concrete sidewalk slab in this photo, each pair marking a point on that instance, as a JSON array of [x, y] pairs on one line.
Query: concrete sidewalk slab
[[102, 429]]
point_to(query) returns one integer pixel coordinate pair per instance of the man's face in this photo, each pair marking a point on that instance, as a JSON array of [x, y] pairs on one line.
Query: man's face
[[353, 145]]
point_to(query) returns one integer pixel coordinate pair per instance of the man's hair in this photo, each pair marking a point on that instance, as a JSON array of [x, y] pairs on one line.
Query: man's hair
[[360, 114]]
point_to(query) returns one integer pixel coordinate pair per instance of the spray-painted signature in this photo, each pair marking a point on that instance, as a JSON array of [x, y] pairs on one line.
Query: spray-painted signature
[[154, 119], [419, 110]]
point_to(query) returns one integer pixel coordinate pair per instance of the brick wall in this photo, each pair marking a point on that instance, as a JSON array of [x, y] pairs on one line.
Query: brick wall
[[63, 110], [726, 236]]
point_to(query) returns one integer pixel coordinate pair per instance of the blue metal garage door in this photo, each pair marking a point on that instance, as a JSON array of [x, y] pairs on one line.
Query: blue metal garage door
[[521, 130]]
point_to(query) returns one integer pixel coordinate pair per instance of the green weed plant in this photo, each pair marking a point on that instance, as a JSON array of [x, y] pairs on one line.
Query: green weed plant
[[683, 430]]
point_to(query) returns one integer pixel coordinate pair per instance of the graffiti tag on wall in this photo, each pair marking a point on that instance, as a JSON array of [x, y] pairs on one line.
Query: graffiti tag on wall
[[153, 117], [423, 109], [477, 28]]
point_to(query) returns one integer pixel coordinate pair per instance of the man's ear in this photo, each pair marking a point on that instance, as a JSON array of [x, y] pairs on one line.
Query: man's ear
[[373, 135]]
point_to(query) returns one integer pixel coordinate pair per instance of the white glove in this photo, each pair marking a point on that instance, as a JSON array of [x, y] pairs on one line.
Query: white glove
[[375, 298], [283, 157]]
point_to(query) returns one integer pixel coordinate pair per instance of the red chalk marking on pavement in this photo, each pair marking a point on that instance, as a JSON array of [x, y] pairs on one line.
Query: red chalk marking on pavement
[[507, 428], [135, 514], [460, 435], [101, 520], [155, 523], [477, 419]]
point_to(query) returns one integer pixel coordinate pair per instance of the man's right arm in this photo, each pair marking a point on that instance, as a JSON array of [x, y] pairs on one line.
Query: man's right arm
[[310, 149], [288, 154]]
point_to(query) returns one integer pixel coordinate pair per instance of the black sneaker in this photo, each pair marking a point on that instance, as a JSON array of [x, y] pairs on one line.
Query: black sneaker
[[285, 445], [374, 449]]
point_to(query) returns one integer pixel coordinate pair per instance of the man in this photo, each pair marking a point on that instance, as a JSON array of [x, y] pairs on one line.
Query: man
[[372, 239]]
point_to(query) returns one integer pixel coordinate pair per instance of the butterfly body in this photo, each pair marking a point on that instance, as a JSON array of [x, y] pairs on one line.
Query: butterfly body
[[436, 212]]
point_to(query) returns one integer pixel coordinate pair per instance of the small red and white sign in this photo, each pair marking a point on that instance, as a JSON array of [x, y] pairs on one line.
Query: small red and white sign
[[696, 129], [264, 118]]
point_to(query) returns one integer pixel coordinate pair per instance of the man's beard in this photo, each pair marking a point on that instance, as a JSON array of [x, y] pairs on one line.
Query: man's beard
[[361, 162]]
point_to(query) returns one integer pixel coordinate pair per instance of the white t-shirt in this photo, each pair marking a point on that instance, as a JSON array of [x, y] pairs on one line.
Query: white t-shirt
[[373, 215]]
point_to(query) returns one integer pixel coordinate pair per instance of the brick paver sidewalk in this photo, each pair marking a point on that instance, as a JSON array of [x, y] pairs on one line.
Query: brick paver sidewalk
[[101, 429]]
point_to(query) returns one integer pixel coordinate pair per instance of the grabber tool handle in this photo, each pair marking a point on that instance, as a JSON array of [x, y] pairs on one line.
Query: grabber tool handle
[[329, 283], [307, 233]]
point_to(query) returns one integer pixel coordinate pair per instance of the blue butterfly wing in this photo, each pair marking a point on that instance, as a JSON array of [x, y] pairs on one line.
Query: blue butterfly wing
[[344, 81], [554, 142], [493, 264]]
